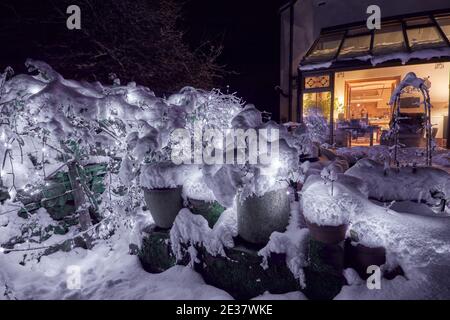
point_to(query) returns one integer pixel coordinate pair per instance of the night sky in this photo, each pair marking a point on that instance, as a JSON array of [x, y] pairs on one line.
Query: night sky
[[249, 29], [251, 32]]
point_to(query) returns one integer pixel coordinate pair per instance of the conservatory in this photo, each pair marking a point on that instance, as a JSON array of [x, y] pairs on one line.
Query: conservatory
[[350, 72]]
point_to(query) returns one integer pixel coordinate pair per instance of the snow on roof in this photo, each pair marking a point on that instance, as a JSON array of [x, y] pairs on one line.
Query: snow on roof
[[399, 38], [404, 57]]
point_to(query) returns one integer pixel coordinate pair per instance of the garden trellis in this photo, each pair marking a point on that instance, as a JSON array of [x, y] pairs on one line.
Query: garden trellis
[[412, 81]]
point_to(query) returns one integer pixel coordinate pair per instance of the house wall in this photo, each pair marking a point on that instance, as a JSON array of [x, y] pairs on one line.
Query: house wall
[[313, 15], [439, 76]]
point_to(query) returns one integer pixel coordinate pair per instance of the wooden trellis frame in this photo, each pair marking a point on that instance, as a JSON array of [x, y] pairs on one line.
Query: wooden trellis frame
[[420, 85]]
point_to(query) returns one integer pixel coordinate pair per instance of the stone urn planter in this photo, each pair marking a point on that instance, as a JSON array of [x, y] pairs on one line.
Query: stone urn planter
[[327, 234], [259, 217], [210, 210], [164, 205]]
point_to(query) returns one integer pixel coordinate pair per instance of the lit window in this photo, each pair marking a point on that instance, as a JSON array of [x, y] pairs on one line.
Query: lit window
[[389, 39], [418, 21], [326, 48], [317, 82], [317, 102], [444, 23], [357, 31], [423, 38], [355, 46]]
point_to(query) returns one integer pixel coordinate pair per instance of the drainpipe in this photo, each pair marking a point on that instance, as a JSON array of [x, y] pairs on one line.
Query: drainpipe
[[291, 7]]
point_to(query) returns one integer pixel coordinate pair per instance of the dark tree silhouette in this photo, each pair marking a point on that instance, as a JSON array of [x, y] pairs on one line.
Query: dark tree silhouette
[[137, 40]]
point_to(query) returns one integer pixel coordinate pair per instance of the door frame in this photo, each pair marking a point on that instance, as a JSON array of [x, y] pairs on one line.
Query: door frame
[[302, 90], [347, 89]]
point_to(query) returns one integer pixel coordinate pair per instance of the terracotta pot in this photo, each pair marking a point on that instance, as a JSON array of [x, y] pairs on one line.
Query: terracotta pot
[[360, 257], [210, 210], [259, 217], [327, 234], [164, 205]]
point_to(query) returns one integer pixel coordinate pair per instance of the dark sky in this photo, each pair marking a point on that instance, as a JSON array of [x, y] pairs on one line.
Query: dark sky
[[249, 29], [251, 44]]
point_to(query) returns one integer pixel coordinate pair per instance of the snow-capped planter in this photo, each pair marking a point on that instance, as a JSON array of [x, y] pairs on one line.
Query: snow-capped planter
[[259, 216], [327, 234], [330, 201], [164, 205], [162, 185]]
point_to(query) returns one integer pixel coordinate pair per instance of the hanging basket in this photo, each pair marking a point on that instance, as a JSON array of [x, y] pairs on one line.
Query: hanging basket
[[164, 205], [259, 217]]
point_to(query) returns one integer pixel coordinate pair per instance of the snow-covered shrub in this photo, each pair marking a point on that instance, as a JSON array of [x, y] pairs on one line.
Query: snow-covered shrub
[[303, 142], [250, 177], [427, 184], [193, 110], [49, 123], [317, 125], [190, 230]]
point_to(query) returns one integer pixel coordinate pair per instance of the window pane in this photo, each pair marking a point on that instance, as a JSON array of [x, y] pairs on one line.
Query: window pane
[[317, 103], [444, 23], [326, 48], [423, 38], [418, 21], [356, 31], [355, 46], [317, 82], [389, 39]]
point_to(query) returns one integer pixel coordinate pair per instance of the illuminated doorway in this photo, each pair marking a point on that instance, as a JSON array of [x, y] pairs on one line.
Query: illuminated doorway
[[367, 111]]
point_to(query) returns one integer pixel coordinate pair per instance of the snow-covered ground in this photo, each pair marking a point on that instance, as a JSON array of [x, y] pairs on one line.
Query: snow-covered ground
[[107, 272], [406, 156]]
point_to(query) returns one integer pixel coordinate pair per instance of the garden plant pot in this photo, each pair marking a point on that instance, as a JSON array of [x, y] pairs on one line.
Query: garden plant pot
[[210, 210], [259, 217], [327, 234], [164, 205], [360, 257]]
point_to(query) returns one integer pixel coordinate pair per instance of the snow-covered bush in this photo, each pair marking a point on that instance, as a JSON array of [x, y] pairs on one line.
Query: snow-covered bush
[[195, 110], [304, 143], [268, 173], [50, 124], [421, 184], [317, 125]]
